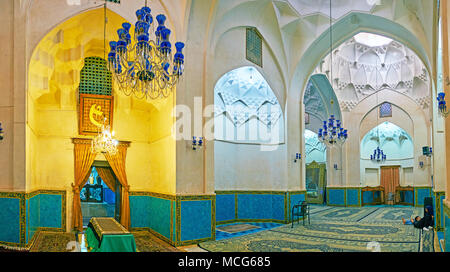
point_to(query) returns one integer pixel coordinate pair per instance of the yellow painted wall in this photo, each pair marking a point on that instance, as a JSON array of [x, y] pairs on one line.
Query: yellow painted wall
[[52, 117]]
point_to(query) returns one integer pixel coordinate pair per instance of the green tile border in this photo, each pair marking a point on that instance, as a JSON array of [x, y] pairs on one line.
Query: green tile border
[[438, 209]]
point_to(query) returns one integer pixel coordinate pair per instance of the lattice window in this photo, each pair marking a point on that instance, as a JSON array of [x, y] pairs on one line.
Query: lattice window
[[254, 46], [114, 1], [307, 121], [386, 110], [95, 77]]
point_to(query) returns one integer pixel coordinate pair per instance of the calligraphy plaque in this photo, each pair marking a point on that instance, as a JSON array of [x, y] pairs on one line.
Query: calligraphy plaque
[[93, 109]]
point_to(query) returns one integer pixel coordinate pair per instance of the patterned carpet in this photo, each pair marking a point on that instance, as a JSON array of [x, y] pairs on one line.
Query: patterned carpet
[[53, 242], [336, 230], [146, 242]]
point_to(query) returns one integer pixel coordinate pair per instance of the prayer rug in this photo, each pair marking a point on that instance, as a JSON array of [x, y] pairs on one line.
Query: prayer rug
[[237, 228], [393, 214], [348, 214], [53, 242], [322, 236], [146, 242]]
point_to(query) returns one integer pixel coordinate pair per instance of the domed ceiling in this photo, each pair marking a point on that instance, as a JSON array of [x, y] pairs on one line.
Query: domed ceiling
[[368, 63]]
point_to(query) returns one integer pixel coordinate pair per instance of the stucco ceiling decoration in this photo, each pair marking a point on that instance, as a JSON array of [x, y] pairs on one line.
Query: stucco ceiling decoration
[[360, 70], [312, 142], [340, 8], [244, 94], [387, 132], [313, 102]]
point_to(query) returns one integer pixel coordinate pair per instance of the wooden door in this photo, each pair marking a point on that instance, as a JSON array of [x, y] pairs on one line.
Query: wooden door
[[390, 180]]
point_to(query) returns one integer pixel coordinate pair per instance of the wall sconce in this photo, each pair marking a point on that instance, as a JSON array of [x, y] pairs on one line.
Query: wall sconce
[[421, 164], [427, 151], [336, 166], [197, 144], [298, 156], [1, 131], [442, 104]]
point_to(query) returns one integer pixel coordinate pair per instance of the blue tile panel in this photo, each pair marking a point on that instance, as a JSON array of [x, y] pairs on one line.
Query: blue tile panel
[[353, 197], [50, 211], [447, 232], [32, 216], [294, 200], [151, 212], [225, 207], [421, 193], [261, 206], [10, 220], [195, 219], [336, 197]]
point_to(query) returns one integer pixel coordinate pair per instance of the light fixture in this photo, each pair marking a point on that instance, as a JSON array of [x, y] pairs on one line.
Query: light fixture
[[104, 142], [197, 144], [378, 155], [140, 66], [332, 132], [442, 105], [298, 157], [1, 132]]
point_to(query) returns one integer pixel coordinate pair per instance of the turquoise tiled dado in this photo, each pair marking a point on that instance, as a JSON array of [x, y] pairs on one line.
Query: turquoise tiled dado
[[50, 211], [353, 197], [159, 213], [278, 207], [139, 216], [254, 206], [225, 207], [336, 197], [447, 232], [151, 212], [195, 219], [32, 216], [10, 220], [421, 194]]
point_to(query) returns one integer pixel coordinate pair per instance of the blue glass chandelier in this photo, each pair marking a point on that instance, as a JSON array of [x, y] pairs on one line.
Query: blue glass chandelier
[[332, 132], [142, 66], [442, 106], [378, 155]]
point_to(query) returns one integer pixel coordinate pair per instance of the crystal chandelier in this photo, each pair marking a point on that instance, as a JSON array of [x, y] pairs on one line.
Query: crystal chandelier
[[332, 132], [104, 142], [442, 106], [145, 67]]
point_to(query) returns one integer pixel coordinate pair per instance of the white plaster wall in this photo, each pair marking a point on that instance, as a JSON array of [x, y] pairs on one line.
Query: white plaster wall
[[246, 167]]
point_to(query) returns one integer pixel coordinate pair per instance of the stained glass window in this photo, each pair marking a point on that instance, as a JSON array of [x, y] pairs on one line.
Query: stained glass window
[[254, 46], [386, 110]]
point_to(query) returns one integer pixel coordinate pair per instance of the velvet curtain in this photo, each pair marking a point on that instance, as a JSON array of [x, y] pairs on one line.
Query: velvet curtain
[[107, 176], [117, 163], [84, 159], [390, 180]]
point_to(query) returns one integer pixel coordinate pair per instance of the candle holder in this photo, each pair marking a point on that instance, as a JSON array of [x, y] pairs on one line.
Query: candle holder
[[332, 133], [1, 132], [197, 143], [442, 105], [298, 157]]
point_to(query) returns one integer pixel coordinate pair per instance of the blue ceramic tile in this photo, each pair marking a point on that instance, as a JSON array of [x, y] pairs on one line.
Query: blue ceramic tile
[[196, 221], [336, 196], [10, 220], [139, 215], [254, 206], [159, 212], [278, 207], [352, 197], [50, 211], [421, 194], [225, 207]]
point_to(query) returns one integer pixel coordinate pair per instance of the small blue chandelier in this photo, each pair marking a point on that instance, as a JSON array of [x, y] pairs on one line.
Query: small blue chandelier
[[145, 67], [378, 155], [442, 106], [332, 132]]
